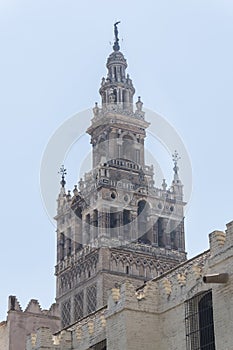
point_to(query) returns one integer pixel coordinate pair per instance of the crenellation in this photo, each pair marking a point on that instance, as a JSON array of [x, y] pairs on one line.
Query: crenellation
[[13, 304], [34, 307]]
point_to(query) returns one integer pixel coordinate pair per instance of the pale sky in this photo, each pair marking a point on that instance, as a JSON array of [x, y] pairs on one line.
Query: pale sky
[[53, 56]]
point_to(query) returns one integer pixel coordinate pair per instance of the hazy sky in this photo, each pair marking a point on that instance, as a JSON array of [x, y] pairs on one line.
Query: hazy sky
[[53, 56]]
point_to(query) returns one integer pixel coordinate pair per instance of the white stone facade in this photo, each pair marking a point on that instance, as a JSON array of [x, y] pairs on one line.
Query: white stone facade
[[153, 316]]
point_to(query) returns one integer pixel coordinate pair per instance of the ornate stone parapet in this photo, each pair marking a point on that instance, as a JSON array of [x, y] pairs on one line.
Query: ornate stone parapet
[[43, 339], [167, 286], [115, 294], [86, 331], [181, 278]]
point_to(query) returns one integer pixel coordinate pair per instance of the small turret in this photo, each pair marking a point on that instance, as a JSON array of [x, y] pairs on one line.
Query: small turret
[[62, 194]]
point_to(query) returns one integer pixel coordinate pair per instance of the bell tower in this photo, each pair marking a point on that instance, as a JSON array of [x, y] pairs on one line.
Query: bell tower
[[116, 225], [124, 132]]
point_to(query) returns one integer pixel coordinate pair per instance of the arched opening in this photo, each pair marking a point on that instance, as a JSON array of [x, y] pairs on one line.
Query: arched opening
[[160, 233], [138, 156], [173, 239], [62, 246], [101, 150], [128, 148], [115, 72], [114, 222], [95, 223], [69, 246], [125, 94], [126, 222], [78, 230], [143, 215], [87, 229]]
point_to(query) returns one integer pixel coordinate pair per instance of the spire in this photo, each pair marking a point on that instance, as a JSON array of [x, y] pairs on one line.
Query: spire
[[62, 172], [116, 46]]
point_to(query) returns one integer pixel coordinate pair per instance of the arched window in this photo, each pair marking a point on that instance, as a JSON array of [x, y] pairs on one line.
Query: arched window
[[69, 246], [68, 242]]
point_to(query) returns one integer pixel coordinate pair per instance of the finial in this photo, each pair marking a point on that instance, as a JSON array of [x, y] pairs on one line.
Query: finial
[[75, 190], [139, 104], [164, 185], [62, 172], [81, 184], [96, 109], [116, 46], [176, 158]]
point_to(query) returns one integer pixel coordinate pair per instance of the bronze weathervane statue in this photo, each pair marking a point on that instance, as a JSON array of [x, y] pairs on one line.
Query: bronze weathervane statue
[[116, 46]]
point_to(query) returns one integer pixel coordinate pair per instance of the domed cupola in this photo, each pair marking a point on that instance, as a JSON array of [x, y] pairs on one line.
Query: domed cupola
[[116, 65]]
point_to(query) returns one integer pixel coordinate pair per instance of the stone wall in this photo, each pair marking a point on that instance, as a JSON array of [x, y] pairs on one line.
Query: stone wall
[[4, 336], [153, 315]]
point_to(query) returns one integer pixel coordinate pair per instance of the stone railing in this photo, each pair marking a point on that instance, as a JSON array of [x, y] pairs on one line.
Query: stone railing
[[122, 163], [156, 251]]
